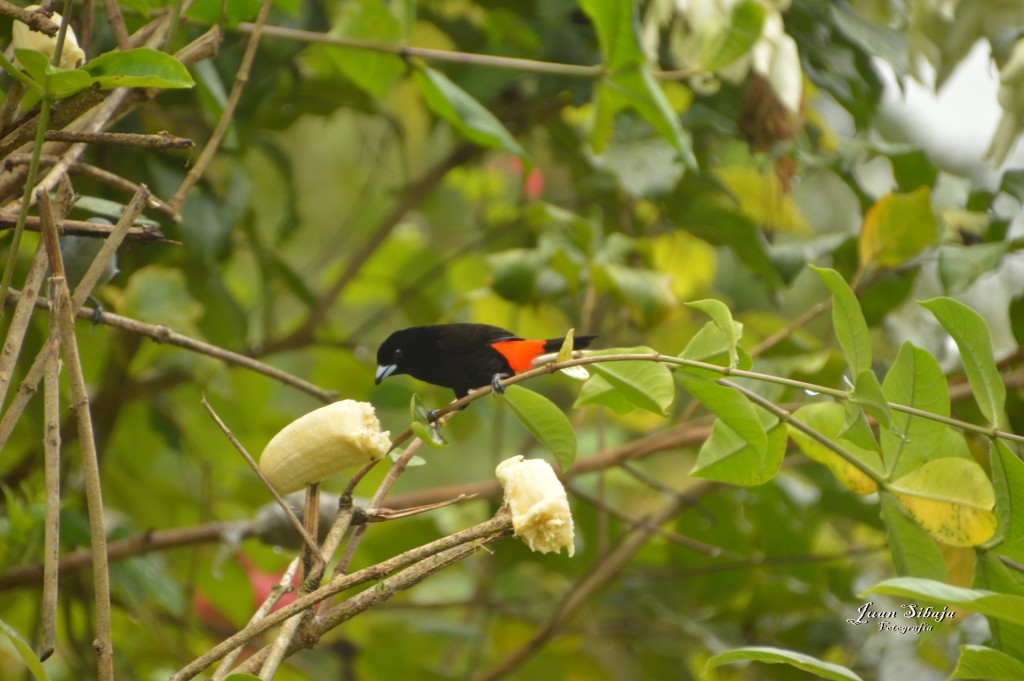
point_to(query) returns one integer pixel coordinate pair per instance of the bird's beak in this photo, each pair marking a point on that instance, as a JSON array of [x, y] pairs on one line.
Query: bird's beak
[[383, 371]]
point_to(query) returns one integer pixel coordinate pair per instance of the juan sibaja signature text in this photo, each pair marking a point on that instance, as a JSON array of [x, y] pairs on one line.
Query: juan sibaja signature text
[[865, 615]]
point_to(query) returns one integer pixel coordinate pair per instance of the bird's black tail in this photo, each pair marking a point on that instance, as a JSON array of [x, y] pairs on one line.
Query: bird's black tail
[[578, 343]]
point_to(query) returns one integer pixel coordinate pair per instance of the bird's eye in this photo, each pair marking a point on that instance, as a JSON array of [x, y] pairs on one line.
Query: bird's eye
[[398, 354]]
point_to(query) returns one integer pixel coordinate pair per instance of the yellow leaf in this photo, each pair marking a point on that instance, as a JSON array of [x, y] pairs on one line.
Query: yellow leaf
[[762, 199], [827, 419], [952, 499], [897, 228]]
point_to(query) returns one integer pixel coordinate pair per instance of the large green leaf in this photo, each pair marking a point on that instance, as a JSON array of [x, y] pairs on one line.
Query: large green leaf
[[25, 652], [637, 89], [647, 385], [744, 30], [730, 406], [769, 655], [988, 664], [545, 421], [1008, 480], [915, 380], [721, 316], [54, 80], [473, 121], [960, 266], [827, 418], [951, 498], [141, 67], [848, 320], [617, 26], [374, 72], [727, 457], [991, 574], [897, 228], [1006, 607], [914, 553], [969, 330], [867, 393], [597, 390]]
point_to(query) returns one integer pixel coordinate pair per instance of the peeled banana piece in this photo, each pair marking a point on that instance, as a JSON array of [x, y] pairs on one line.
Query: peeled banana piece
[[540, 509], [321, 443]]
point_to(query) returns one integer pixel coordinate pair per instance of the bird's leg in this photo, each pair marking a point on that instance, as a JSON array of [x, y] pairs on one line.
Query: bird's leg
[[97, 312], [496, 387]]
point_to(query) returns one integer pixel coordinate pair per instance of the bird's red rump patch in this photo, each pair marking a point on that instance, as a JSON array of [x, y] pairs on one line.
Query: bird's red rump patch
[[519, 353]]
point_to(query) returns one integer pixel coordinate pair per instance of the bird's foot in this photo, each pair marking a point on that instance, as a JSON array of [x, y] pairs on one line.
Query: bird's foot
[[496, 387], [97, 312]]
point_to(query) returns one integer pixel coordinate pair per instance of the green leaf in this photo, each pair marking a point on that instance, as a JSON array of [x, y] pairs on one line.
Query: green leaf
[[744, 30], [723, 321], [58, 82], [867, 392], [848, 320], [951, 498], [545, 421], [991, 574], [141, 67], [1006, 607], [617, 27], [644, 94], [897, 228], [647, 294], [827, 419], [914, 553], [875, 38], [209, 11], [971, 334], [960, 266], [915, 380], [242, 676], [769, 655], [1008, 480], [599, 391], [730, 406], [24, 650], [711, 346], [979, 662], [374, 72], [429, 434], [647, 385], [856, 428], [453, 104], [727, 457]]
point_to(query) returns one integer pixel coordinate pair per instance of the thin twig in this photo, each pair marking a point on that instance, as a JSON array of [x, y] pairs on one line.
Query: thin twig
[[283, 586], [226, 116], [105, 176], [473, 537], [116, 22], [161, 333], [604, 571], [144, 234], [310, 541], [415, 194], [36, 19], [103, 643], [160, 140], [20, 321], [51, 475], [407, 52]]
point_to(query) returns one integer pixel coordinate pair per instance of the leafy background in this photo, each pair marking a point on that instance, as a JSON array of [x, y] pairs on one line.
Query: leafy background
[[381, 165]]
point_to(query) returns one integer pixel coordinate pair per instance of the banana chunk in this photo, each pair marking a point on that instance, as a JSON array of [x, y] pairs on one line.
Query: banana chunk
[[339, 436], [540, 509], [23, 37]]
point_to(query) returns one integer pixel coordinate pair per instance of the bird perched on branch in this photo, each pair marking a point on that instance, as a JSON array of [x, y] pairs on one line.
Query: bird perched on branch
[[462, 356]]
